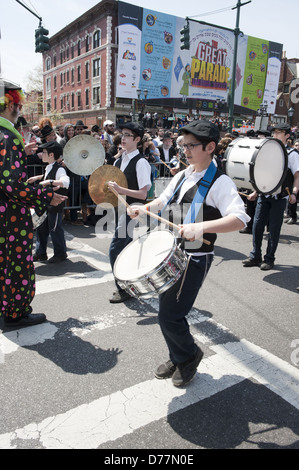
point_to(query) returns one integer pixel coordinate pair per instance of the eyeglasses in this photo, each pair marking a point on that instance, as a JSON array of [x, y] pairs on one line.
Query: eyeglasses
[[126, 135], [190, 147]]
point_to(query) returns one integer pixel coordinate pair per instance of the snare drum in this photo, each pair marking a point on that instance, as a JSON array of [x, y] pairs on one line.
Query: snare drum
[[259, 164], [36, 220], [160, 185], [150, 265]]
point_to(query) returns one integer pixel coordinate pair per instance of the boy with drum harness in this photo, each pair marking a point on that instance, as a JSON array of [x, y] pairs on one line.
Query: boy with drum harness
[[201, 185], [270, 209]]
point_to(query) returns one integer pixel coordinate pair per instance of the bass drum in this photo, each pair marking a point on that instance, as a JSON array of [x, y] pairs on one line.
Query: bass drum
[[36, 220], [150, 265], [256, 164]]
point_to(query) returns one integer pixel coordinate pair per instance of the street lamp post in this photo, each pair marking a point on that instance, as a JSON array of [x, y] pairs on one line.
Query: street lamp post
[[291, 112]]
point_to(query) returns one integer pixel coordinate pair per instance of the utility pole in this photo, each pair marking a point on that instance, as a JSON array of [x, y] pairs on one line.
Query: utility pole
[[233, 80]]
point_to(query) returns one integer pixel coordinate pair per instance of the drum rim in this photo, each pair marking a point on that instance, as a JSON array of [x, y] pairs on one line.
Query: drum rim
[[253, 160]]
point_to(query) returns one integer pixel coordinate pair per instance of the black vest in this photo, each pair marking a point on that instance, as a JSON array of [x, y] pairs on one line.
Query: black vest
[[131, 175], [52, 176], [206, 213]]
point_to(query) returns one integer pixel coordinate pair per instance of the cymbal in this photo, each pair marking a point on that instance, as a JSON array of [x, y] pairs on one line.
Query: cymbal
[[83, 154], [97, 184]]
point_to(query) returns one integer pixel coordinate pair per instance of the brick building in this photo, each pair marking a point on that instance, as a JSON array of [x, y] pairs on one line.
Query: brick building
[[288, 96], [80, 67]]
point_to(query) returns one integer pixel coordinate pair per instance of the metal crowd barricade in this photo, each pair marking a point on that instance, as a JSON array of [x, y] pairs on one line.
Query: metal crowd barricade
[[75, 188]]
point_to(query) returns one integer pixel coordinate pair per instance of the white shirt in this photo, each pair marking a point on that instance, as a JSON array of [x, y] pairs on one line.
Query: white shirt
[[60, 175], [223, 194], [143, 169]]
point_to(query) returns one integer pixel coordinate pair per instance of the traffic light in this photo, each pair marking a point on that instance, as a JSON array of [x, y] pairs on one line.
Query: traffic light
[[185, 37], [41, 40]]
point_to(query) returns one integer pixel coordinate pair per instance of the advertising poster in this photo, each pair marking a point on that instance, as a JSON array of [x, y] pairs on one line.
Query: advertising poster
[[255, 73], [150, 57]]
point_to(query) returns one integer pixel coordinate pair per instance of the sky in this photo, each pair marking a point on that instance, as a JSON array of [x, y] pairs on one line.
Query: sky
[[274, 20]]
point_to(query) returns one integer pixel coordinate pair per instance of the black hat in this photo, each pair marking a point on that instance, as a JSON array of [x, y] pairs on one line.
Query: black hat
[[45, 131], [283, 126], [167, 135], [264, 132], [250, 133], [134, 127], [95, 128], [52, 147], [21, 122], [202, 130], [80, 124]]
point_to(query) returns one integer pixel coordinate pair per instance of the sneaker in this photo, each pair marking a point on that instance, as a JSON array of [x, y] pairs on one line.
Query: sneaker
[[249, 262], [290, 221], [266, 266], [166, 370], [119, 296], [185, 372], [29, 319], [57, 259], [37, 257]]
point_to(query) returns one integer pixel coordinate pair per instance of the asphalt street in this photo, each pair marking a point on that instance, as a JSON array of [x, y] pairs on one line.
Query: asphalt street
[[84, 379]]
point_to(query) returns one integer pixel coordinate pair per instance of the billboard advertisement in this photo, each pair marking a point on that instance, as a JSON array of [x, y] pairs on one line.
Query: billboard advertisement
[[150, 57]]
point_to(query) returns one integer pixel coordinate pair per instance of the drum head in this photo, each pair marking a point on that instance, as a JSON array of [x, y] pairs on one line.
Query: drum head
[[143, 255], [269, 166]]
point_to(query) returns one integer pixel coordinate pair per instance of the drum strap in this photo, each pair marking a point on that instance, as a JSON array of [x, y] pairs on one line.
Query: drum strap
[[201, 193]]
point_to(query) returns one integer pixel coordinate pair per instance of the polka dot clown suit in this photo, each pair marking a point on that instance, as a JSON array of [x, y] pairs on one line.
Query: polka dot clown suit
[[17, 278]]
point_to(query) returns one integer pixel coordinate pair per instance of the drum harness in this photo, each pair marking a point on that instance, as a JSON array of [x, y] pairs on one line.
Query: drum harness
[[195, 207]]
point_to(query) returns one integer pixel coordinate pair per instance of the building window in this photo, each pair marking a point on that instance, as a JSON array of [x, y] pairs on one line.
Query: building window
[[68, 76], [286, 88], [48, 63], [72, 51], [61, 79], [55, 82], [48, 84], [55, 102], [87, 43], [54, 60], [97, 39], [79, 47], [96, 68], [72, 75], [79, 100], [79, 73], [73, 100], [67, 53], [87, 97], [87, 70], [281, 102], [61, 104], [96, 95]]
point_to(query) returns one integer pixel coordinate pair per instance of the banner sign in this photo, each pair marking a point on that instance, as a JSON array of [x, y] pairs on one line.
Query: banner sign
[[150, 58]]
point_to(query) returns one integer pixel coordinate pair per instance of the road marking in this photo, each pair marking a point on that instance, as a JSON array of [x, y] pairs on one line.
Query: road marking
[[93, 257], [114, 416]]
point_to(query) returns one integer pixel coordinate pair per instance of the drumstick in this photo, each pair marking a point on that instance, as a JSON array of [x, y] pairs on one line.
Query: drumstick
[[288, 191], [243, 194], [152, 214], [165, 165]]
